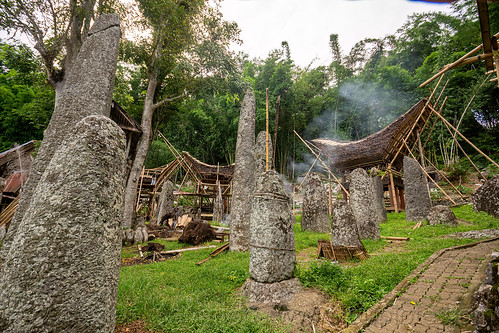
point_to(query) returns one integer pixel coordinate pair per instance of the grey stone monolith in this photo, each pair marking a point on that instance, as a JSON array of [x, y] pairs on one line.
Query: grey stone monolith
[[344, 230], [243, 182], [165, 206], [315, 209], [218, 206], [362, 201], [261, 154], [87, 90], [272, 245], [61, 273], [486, 198], [441, 214], [417, 196]]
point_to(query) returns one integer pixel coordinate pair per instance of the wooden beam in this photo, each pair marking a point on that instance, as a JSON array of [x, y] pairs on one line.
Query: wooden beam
[[463, 137], [483, 16]]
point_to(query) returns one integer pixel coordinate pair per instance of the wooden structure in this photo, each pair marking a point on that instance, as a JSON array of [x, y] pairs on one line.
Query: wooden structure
[[383, 150], [340, 253], [205, 178]]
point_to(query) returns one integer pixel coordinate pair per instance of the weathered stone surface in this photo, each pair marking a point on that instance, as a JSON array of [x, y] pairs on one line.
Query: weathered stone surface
[[441, 214], [272, 246], [140, 232], [2, 232], [362, 201], [315, 214], [344, 229], [261, 154], [486, 198], [277, 292], [218, 206], [87, 90], [243, 183], [165, 206], [61, 273], [417, 197]]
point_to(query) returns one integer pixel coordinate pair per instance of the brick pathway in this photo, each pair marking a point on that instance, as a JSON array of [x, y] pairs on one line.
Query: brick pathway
[[440, 287]]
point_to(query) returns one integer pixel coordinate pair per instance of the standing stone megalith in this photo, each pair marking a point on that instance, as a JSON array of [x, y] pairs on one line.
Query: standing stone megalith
[[486, 198], [87, 90], [344, 230], [362, 201], [417, 196], [165, 209], [61, 273], [379, 199], [218, 206], [272, 246], [261, 154], [315, 210], [243, 182]]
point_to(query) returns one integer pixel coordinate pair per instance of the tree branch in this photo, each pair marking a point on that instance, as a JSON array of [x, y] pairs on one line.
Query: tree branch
[[168, 99]]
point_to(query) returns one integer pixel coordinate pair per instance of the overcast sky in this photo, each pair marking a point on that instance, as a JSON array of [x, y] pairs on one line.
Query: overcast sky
[[307, 24]]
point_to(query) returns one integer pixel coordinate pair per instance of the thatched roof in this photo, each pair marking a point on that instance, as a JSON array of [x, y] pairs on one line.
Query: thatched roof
[[378, 148], [206, 170]]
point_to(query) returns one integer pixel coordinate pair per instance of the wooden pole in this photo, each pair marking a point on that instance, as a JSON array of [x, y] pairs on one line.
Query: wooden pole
[[457, 63], [140, 189], [329, 196], [446, 179], [427, 175], [463, 137], [267, 129], [394, 193], [495, 51]]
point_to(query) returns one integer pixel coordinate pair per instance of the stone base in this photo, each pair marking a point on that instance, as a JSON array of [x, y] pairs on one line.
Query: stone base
[[306, 310], [277, 292]]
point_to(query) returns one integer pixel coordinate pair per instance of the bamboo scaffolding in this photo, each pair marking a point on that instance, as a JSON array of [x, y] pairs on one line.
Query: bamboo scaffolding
[[427, 175], [446, 179], [404, 140], [323, 164], [464, 153], [463, 137], [137, 206], [459, 62]]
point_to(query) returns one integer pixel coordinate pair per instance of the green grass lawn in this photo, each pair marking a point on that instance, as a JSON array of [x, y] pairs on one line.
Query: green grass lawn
[[178, 296]]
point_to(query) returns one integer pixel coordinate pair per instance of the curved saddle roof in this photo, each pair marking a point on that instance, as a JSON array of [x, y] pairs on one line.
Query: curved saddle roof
[[379, 148]]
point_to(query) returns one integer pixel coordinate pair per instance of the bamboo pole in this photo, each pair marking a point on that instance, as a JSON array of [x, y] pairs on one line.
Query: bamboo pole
[[330, 200], [267, 129], [446, 179], [140, 189], [464, 138], [394, 193], [404, 140], [308, 172], [495, 52], [457, 63], [465, 154], [323, 164], [427, 175]]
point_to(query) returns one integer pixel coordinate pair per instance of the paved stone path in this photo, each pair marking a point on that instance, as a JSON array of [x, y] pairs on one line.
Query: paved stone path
[[440, 288]]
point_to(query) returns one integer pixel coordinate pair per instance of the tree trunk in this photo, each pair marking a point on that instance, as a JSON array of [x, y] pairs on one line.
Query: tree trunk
[[140, 157]]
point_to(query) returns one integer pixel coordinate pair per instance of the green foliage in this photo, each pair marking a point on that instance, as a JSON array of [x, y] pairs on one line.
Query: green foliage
[[158, 155], [26, 103], [178, 296], [363, 284]]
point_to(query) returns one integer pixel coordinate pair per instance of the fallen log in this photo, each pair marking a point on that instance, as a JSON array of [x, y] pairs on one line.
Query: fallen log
[[188, 249], [396, 238]]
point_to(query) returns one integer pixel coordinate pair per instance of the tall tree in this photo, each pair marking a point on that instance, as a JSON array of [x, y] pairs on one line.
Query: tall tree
[[188, 39]]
